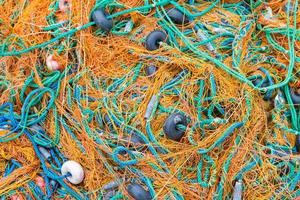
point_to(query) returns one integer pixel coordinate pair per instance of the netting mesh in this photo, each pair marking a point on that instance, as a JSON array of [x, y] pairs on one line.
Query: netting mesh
[[82, 94]]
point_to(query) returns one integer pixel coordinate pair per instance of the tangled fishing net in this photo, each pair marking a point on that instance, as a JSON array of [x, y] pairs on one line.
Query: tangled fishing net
[[153, 99]]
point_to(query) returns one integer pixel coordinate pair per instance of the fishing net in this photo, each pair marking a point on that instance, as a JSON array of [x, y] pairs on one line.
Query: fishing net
[[153, 99]]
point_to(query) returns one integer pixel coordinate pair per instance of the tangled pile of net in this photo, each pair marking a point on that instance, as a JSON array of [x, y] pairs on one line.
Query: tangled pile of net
[[72, 91]]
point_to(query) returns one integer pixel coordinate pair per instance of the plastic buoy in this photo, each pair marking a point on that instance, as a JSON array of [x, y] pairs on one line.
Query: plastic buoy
[[99, 16], [75, 170], [45, 153], [177, 16], [297, 143], [150, 106], [138, 192], [258, 82], [107, 120], [170, 126], [40, 182], [111, 185], [238, 189], [150, 70], [63, 5], [52, 64], [295, 96], [154, 38]]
